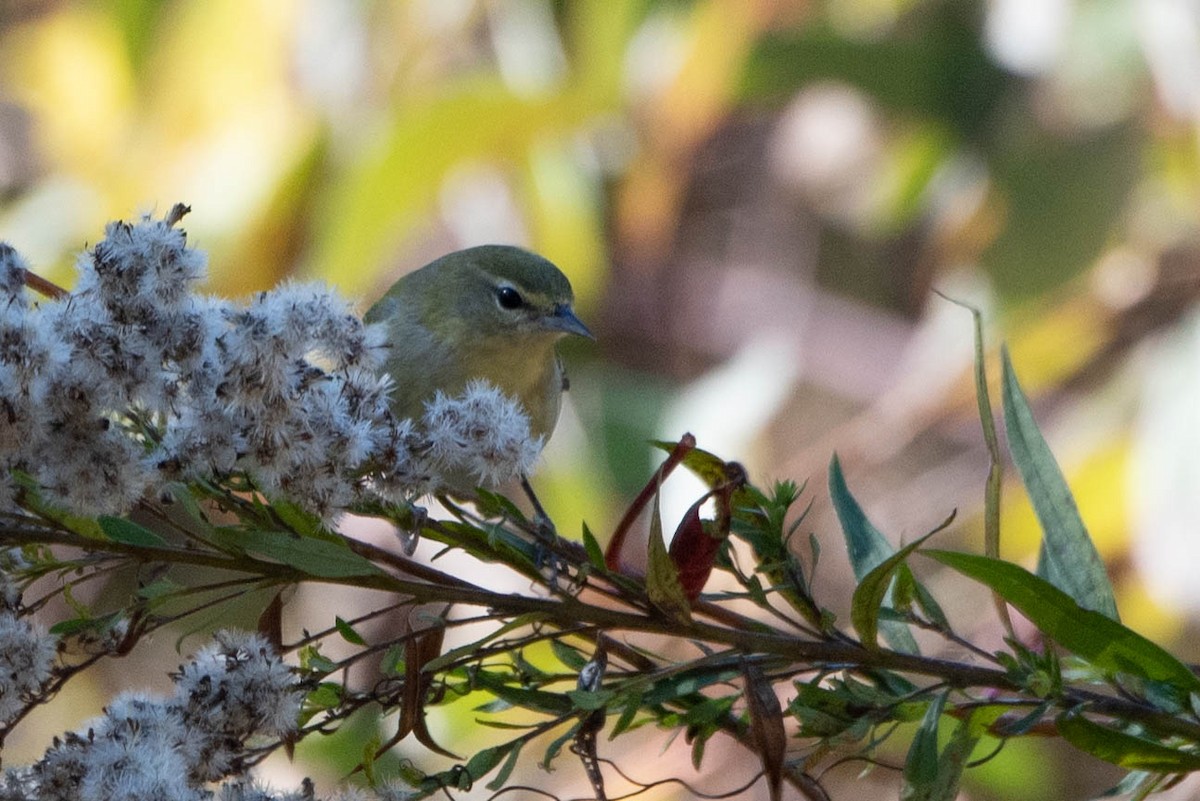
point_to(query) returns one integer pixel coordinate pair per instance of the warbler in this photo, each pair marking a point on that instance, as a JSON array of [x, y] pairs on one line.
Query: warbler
[[493, 312]]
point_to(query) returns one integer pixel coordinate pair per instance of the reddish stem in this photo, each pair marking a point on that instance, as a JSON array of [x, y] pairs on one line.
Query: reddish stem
[[44, 287], [612, 555]]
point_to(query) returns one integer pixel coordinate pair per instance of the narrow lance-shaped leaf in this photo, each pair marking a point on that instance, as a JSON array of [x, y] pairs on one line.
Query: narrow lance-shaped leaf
[[541, 701], [1068, 558], [953, 759], [867, 549], [616, 544], [1124, 750], [419, 650], [297, 520], [122, 530], [995, 476], [370, 748], [510, 764], [1097, 638], [693, 550], [312, 556], [708, 467], [921, 766], [32, 500], [556, 745], [348, 633], [592, 547], [766, 726], [483, 763], [870, 593], [270, 622], [662, 578], [439, 662]]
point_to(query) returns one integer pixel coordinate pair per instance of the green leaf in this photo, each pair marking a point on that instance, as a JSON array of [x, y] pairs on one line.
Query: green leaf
[[497, 506], [633, 705], [392, 662], [121, 530], [1068, 558], [450, 657], [1096, 637], [1124, 750], [100, 625], [867, 549], [311, 659], [710, 469], [489, 543], [569, 655], [931, 607], [590, 700], [954, 756], [709, 712], [921, 766], [699, 743], [1026, 722], [995, 476], [369, 750], [300, 521], [1137, 784], [316, 557], [348, 633], [510, 763], [492, 707], [557, 744], [529, 672], [484, 762], [595, 553], [822, 711], [873, 588], [181, 495], [327, 695], [688, 681], [546, 703], [662, 577], [500, 706], [162, 588], [33, 501]]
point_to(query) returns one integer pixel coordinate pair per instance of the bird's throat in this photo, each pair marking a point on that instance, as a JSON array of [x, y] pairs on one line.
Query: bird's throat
[[529, 373]]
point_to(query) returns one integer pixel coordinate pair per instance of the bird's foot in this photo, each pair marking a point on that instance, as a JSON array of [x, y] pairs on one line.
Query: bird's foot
[[543, 526]]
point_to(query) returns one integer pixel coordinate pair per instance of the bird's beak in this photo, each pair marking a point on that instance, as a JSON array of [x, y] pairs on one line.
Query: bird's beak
[[564, 320]]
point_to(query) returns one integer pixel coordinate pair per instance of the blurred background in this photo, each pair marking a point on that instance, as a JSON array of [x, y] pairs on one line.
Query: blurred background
[[755, 200]]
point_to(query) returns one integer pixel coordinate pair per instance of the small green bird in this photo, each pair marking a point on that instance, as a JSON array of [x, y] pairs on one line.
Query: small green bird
[[493, 312]]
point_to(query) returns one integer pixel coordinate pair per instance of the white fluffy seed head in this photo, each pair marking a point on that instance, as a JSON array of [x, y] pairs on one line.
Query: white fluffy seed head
[[481, 433], [146, 747], [27, 655], [284, 388]]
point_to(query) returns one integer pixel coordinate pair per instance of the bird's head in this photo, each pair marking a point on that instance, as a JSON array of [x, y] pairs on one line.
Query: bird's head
[[492, 313], [501, 293]]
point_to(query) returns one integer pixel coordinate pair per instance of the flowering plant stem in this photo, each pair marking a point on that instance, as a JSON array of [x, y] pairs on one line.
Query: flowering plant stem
[[215, 449]]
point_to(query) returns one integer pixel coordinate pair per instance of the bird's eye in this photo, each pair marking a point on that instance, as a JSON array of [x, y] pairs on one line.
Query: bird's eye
[[508, 298]]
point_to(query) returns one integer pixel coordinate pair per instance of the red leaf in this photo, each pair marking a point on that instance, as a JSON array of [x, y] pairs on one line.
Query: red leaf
[[694, 547], [612, 554], [693, 550], [766, 726]]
